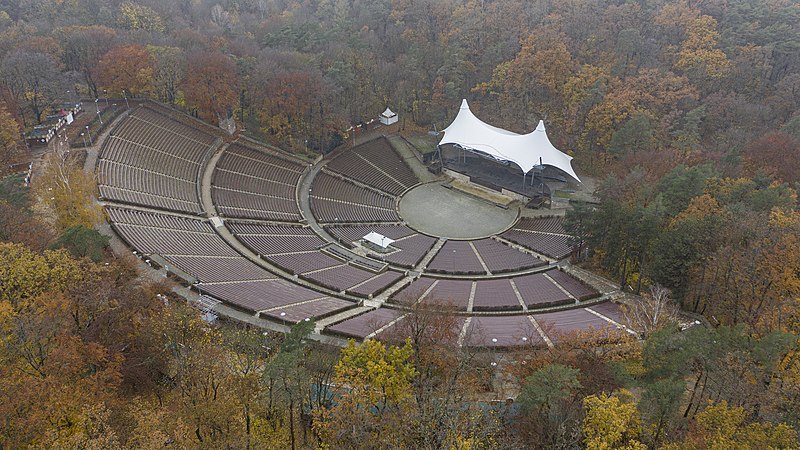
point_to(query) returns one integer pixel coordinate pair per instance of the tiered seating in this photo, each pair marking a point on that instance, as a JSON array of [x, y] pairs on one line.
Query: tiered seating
[[275, 239], [154, 160], [335, 188], [327, 210], [314, 308], [261, 294], [544, 235], [610, 310], [495, 295], [575, 287], [340, 277], [411, 293], [302, 262], [412, 249], [376, 164], [168, 235], [502, 331], [365, 324], [295, 249], [456, 257], [381, 154], [347, 234], [500, 258], [376, 284], [192, 246], [437, 293], [336, 200], [558, 323], [538, 291], [218, 269], [254, 183]]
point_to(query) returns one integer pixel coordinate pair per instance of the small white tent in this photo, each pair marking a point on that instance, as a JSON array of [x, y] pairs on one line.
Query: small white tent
[[525, 150], [378, 239], [388, 117]]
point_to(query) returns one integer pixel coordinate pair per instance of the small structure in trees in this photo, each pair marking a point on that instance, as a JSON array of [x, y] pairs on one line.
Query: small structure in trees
[[388, 117]]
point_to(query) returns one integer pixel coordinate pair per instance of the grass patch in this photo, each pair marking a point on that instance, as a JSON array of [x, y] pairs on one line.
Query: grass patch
[[424, 143], [562, 194], [13, 190]]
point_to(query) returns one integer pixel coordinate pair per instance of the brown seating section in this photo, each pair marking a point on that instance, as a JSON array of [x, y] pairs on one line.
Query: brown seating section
[[365, 324], [256, 183], [193, 247], [495, 295], [502, 331], [153, 160], [376, 164], [499, 257], [456, 257], [544, 235]]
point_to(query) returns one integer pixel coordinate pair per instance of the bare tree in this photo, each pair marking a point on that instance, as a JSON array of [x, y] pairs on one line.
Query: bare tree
[[651, 312], [32, 78]]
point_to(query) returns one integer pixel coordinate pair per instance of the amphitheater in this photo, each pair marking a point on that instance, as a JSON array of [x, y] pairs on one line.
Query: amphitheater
[[260, 232]]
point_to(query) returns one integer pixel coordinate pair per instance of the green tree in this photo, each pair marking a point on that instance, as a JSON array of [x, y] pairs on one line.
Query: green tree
[[288, 375], [82, 242], [635, 135], [550, 402]]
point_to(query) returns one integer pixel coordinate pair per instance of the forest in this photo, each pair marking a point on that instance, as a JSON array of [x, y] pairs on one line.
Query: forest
[[687, 113]]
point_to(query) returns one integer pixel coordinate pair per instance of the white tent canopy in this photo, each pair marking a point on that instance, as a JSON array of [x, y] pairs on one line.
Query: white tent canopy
[[378, 239], [388, 117], [524, 150]]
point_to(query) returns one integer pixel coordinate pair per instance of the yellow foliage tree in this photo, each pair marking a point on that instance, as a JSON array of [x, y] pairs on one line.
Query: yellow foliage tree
[[139, 17], [612, 422], [722, 427], [374, 388], [69, 192], [698, 55]]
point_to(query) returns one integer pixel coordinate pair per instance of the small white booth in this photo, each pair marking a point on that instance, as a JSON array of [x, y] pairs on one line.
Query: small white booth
[[388, 117]]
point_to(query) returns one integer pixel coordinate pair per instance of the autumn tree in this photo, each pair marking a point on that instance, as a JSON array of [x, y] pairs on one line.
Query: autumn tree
[[773, 154], [210, 85], [699, 55], [720, 426], [650, 312], [612, 422], [375, 388], [550, 402], [126, 68], [68, 191], [83, 48], [169, 70], [33, 80], [134, 16], [10, 146]]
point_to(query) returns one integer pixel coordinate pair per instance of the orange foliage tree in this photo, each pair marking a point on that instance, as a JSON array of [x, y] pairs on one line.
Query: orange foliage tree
[[126, 68], [210, 85]]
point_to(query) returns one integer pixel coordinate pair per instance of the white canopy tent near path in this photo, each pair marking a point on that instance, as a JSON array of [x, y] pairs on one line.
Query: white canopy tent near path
[[388, 117], [527, 151]]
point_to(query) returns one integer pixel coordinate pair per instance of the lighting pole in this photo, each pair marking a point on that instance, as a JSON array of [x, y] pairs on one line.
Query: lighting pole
[[90, 135], [105, 92], [97, 108], [124, 94], [83, 135]]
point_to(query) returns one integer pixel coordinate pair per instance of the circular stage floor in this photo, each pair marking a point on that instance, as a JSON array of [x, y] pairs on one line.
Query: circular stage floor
[[449, 213]]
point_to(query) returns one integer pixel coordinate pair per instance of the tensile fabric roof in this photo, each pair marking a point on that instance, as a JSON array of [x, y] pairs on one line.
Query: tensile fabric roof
[[525, 150]]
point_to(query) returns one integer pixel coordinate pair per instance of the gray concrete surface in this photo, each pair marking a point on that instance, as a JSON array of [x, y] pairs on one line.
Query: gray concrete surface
[[435, 210]]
